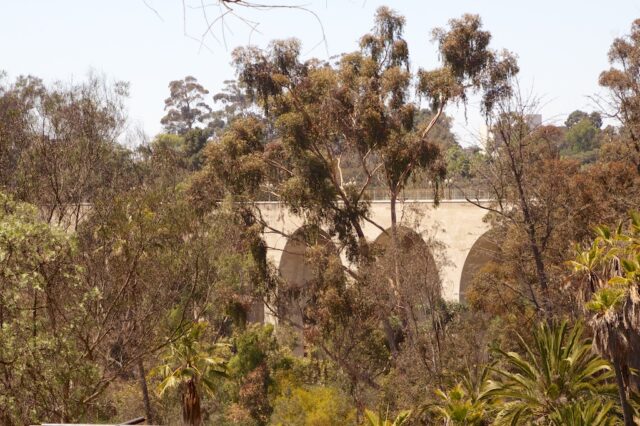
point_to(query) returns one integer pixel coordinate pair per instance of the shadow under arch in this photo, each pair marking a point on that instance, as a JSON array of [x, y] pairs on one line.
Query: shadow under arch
[[411, 248], [297, 272], [410, 294], [483, 251], [419, 274]]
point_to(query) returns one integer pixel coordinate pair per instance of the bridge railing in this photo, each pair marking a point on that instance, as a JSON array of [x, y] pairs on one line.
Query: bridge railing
[[426, 193], [447, 193]]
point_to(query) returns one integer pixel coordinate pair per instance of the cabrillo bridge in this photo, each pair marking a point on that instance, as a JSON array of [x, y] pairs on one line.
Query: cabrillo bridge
[[455, 224]]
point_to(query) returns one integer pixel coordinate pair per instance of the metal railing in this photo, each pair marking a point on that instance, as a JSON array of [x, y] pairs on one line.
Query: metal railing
[[446, 193]]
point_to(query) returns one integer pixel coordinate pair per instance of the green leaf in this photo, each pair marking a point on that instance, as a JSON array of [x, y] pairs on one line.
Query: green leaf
[[628, 265], [372, 418], [618, 281]]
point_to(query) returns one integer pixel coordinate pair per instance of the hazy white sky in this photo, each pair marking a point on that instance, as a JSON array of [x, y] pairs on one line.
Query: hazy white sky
[[562, 45]]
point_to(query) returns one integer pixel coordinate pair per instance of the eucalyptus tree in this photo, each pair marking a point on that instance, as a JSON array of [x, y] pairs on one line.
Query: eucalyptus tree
[[364, 108], [65, 144], [17, 100], [185, 106], [360, 112], [233, 102], [577, 116], [623, 99]]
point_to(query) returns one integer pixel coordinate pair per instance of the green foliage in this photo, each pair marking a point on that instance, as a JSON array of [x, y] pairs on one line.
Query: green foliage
[[606, 300], [312, 406], [578, 116], [193, 366], [374, 419], [462, 162], [611, 265], [185, 106], [555, 379], [458, 409], [586, 413], [252, 348], [465, 403], [190, 359], [582, 137], [611, 271], [185, 149], [255, 360], [44, 369], [557, 369], [239, 150]]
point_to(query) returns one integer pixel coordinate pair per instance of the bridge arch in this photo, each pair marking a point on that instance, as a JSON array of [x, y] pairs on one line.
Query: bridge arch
[[484, 250], [297, 272], [455, 224], [419, 271]]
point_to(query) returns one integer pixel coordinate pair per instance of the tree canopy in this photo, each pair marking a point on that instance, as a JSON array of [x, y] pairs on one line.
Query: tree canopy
[[138, 279]]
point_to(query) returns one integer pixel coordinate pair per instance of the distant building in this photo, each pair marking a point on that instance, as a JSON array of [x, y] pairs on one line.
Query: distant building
[[486, 135], [534, 120]]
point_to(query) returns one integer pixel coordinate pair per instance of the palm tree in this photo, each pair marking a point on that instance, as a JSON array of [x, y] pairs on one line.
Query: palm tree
[[465, 404], [374, 419], [611, 267], [191, 366], [557, 370], [586, 413]]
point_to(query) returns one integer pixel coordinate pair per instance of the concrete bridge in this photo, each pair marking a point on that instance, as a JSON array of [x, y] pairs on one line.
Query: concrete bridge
[[456, 225]]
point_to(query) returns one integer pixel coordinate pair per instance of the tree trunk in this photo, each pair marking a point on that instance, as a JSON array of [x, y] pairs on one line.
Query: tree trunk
[[622, 393], [391, 337], [191, 414], [145, 392], [541, 272], [516, 164], [542, 278], [394, 245]]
